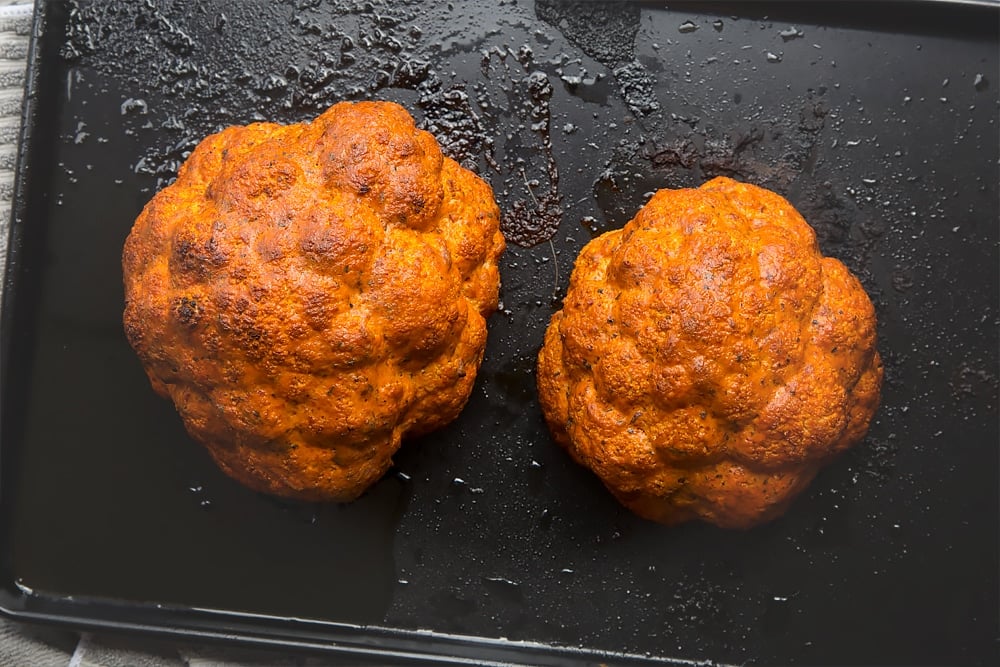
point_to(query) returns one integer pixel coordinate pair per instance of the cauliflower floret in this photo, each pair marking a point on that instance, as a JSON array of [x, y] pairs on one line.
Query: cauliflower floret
[[308, 295], [708, 360]]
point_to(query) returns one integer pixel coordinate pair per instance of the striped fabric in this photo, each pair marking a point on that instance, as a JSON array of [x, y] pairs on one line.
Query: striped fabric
[[15, 29]]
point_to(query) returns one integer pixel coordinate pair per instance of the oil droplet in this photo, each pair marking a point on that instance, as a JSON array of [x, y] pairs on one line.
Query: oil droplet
[[687, 26], [505, 589], [773, 57], [791, 33], [136, 105], [717, 24], [979, 82]]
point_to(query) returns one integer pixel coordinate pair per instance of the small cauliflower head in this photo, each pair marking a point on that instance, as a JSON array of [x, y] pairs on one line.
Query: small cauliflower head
[[708, 359], [308, 295]]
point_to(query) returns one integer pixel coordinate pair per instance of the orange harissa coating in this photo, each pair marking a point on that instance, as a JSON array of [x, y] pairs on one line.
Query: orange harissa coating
[[708, 360], [308, 295]]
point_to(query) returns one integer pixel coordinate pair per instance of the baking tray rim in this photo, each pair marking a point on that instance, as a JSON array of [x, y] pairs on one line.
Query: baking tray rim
[[264, 631]]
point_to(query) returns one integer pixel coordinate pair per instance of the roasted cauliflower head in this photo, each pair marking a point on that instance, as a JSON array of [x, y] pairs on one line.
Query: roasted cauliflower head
[[708, 360], [308, 295]]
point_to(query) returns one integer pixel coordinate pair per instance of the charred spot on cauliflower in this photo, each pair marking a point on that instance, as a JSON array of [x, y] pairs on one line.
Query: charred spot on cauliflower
[[708, 360], [308, 295]]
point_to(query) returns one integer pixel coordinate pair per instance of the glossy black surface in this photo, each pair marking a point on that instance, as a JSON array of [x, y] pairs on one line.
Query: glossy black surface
[[881, 127]]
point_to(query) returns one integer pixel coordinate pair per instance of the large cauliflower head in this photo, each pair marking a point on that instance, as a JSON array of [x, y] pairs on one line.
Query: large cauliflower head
[[708, 360], [309, 294]]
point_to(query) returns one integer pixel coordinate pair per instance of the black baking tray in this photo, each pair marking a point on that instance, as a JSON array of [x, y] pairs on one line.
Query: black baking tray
[[485, 543]]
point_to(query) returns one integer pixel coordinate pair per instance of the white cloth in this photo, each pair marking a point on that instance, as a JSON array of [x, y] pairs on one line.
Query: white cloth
[[15, 29]]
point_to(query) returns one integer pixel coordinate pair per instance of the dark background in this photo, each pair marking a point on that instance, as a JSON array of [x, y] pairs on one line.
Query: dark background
[[878, 122]]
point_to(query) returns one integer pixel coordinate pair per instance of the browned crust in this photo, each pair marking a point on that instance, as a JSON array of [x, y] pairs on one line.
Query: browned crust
[[708, 360], [308, 295]]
